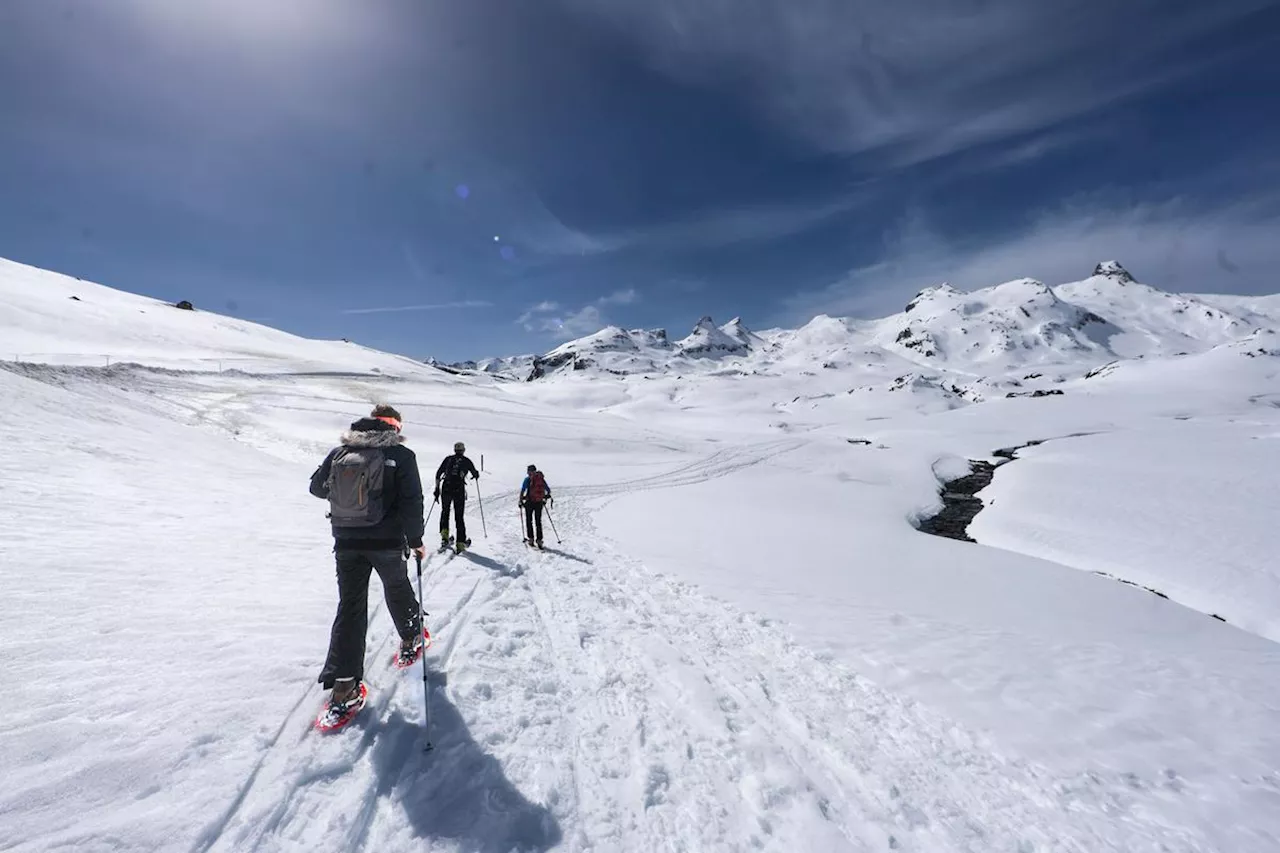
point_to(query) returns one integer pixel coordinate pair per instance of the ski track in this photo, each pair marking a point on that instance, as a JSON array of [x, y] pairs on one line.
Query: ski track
[[296, 772], [700, 728], [621, 710], [721, 463]]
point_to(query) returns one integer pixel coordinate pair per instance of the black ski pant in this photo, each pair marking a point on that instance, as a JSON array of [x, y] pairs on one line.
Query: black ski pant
[[457, 500], [346, 641], [532, 517]]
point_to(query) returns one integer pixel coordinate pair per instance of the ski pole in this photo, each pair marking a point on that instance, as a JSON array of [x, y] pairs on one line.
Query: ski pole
[[523, 534], [426, 688], [480, 501], [553, 527], [433, 509]]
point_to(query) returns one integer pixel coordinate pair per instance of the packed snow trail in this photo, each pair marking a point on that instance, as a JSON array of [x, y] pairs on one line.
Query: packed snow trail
[[582, 703]]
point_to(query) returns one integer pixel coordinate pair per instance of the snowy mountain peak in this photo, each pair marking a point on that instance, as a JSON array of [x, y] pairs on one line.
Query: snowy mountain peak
[[708, 339], [738, 330], [1112, 269], [929, 294], [990, 331], [650, 338]]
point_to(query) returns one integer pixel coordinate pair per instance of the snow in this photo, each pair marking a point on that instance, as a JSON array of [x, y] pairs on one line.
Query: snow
[[741, 643], [56, 319], [708, 339], [1130, 496]]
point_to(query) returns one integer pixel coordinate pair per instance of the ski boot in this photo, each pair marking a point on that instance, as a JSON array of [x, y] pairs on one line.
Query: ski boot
[[337, 714], [463, 544], [411, 649]]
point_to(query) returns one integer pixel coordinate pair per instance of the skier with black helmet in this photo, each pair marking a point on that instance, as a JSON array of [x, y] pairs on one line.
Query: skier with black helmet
[[534, 494], [451, 491]]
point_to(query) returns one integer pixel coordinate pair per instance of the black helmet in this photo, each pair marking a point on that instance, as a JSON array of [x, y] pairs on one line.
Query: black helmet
[[532, 467]]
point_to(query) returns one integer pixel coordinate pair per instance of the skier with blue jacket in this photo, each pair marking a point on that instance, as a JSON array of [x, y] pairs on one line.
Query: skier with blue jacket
[[534, 494]]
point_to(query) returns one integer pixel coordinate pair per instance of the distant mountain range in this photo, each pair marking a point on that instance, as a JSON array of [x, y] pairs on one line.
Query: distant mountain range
[[993, 333]]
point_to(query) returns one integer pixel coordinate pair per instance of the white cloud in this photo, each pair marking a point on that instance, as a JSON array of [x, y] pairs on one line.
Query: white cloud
[[1175, 246], [584, 321], [919, 78], [620, 297], [546, 317]]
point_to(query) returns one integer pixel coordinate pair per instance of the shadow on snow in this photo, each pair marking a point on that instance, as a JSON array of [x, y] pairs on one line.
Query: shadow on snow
[[458, 791], [494, 565], [569, 556]]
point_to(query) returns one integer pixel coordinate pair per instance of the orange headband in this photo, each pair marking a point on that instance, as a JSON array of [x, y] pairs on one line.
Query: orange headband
[[395, 423]]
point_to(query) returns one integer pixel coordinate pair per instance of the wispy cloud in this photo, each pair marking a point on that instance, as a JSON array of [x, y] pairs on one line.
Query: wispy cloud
[[437, 306], [620, 297], [706, 230], [1174, 245], [921, 78], [575, 324], [547, 318]]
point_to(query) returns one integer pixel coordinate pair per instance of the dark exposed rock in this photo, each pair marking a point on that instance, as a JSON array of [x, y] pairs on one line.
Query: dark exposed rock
[[75, 298], [1039, 392], [1102, 370], [555, 362], [185, 306], [1113, 270]]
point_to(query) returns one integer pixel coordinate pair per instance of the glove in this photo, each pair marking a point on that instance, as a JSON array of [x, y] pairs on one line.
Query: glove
[[476, 475], [436, 494], [522, 503], [420, 552], [551, 502]]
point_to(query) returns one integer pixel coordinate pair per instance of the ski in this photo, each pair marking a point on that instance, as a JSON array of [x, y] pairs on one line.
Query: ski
[[331, 719]]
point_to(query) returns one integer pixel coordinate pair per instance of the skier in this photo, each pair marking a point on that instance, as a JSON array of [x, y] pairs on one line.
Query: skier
[[375, 500], [534, 492], [451, 491]]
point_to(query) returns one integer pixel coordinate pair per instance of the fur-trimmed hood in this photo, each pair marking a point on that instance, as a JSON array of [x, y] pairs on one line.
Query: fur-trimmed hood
[[371, 432]]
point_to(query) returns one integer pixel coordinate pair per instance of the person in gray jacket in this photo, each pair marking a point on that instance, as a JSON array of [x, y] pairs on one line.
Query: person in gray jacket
[[374, 491]]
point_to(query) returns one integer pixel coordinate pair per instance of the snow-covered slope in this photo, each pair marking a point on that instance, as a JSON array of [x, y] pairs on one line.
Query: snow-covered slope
[[742, 642], [1019, 323], [58, 319], [1150, 322]]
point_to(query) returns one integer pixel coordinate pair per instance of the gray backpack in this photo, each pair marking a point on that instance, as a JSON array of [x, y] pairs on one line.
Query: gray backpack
[[355, 487]]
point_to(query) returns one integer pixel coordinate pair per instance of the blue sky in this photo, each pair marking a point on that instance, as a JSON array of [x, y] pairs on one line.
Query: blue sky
[[505, 175]]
